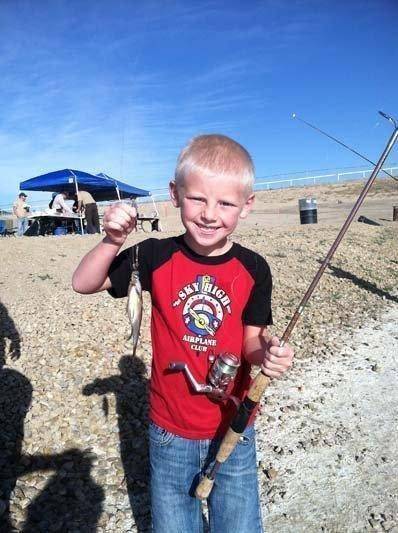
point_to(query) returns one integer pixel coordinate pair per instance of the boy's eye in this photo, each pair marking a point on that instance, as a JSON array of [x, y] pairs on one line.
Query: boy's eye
[[196, 198], [227, 204]]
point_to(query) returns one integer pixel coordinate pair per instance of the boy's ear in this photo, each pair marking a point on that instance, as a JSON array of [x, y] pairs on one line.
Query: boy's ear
[[173, 190], [247, 206]]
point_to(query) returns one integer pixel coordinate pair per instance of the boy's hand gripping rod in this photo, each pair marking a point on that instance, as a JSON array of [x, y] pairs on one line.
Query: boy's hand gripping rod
[[261, 381]]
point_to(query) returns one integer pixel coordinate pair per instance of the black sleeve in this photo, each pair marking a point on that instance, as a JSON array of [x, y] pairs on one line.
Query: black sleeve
[[121, 268], [258, 309]]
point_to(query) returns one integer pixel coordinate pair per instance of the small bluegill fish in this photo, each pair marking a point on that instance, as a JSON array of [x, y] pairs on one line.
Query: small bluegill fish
[[134, 302]]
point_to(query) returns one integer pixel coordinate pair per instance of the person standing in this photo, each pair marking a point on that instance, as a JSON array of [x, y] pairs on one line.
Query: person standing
[[20, 210], [87, 203], [210, 296]]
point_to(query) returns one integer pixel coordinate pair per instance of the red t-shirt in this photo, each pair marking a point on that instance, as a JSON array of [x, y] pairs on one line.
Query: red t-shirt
[[200, 305]]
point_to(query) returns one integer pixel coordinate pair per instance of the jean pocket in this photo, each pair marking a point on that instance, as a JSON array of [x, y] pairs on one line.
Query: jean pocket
[[160, 436]]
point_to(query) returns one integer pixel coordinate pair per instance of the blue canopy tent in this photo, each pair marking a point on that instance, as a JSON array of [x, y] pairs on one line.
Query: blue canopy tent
[[101, 187]]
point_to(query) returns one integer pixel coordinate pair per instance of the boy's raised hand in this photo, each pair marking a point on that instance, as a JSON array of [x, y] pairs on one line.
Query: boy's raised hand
[[276, 359], [119, 220]]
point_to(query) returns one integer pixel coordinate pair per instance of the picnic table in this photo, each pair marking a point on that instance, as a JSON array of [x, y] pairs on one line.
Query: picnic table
[[47, 224]]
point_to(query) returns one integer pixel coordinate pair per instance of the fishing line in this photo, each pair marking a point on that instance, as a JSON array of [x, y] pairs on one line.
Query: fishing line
[[294, 115]]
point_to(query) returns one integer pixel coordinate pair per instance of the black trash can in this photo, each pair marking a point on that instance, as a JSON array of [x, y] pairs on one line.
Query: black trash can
[[308, 211]]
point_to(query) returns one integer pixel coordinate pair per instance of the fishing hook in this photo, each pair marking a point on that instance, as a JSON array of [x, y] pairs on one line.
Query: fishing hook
[[348, 147]]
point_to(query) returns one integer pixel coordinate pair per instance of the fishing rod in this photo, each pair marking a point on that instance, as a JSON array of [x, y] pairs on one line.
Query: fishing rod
[[261, 381], [345, 145]]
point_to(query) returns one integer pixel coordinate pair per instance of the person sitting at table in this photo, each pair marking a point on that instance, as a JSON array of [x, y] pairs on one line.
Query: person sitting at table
[[59, 204], [86, 203]]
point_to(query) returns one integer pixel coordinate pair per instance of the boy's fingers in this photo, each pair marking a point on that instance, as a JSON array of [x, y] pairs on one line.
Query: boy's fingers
[[270, 373], [284, 351], [120, 217], [279, 360], [275, 367], [115, 226], [277, 352], [275, 341], [123, 210], [118, 211], [130, 210]]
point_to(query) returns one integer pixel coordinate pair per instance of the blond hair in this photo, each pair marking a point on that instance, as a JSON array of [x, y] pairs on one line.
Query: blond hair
[[214, 155]]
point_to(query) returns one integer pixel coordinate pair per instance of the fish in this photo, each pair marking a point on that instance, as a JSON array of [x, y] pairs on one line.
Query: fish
[[134, 302]]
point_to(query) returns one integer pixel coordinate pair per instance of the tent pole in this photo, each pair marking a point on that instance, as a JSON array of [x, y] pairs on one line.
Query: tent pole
[[154, 205], [80, 215], [157, 213], [117, 191]]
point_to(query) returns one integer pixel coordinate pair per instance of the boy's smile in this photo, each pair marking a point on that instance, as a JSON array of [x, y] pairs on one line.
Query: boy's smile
[[210, 210]]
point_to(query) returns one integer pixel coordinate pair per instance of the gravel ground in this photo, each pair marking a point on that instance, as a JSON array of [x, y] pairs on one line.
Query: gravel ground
[[73, 402], [329, 457]]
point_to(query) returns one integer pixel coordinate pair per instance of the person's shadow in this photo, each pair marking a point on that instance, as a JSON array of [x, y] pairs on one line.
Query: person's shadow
[[15, 399], [130, 389], [71, 500], [362, 283]]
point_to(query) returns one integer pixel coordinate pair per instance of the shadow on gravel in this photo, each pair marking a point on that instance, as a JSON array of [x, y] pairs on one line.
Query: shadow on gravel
[[15, 399], [70, 500], [363, 284], [130, 390]]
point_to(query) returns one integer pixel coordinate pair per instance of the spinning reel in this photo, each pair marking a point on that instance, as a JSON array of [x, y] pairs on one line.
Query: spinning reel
[[222, 372]]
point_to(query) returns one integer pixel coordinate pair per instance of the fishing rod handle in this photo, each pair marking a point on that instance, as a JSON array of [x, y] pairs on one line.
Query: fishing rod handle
[[231, 438]]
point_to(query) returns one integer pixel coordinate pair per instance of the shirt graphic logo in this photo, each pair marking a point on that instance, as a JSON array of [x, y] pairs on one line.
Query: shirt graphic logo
[[204, 307]]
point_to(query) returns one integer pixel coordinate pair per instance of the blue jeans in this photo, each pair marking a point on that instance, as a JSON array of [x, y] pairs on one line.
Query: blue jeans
[[176, 464], [22, 225]]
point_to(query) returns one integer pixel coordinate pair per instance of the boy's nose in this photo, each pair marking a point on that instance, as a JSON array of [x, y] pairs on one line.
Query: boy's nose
[[209, 213]]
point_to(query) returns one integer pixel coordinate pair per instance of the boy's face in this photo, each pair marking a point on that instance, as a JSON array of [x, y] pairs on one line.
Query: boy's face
[[210, 210]]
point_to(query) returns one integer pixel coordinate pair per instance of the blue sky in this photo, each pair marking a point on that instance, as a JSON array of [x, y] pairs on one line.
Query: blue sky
[[119, 86]]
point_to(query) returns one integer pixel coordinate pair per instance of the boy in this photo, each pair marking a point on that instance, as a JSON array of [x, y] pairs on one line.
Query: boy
[[209, 296]]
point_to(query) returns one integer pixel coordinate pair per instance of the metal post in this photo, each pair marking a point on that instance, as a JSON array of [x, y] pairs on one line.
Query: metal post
[[157, 213], [117, 191], [77, 192]]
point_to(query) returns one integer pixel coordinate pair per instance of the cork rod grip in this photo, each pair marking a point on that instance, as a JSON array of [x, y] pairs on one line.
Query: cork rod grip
[[226, 448], [231, 438], [258, 386], [204, 488]]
